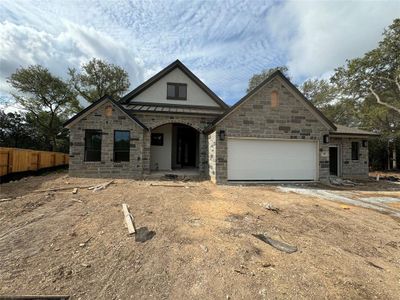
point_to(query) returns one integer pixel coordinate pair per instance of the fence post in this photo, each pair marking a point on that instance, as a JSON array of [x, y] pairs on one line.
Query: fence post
[[9, 161]]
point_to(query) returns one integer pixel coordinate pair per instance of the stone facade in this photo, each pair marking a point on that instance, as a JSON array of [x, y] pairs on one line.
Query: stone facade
[[349, 168], [99, 120], [140, 157], [198, 122], [255, 118], [212, 156]]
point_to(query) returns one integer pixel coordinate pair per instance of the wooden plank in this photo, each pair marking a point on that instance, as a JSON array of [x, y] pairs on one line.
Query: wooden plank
[[128, 219]]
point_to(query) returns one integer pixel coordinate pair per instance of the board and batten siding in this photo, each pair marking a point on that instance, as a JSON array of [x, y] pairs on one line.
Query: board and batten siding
[[157, 93]]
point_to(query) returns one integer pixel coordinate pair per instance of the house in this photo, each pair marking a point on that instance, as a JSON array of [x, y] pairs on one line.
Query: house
[[174, 122]]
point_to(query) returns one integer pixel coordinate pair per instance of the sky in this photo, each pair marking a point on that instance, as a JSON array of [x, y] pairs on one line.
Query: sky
[[223, 42]]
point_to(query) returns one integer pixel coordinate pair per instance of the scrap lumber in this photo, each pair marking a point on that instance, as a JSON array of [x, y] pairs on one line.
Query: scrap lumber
[[102, 186], [169, 185], [281, 246], [6, 199], [128, 219], [62, 189]]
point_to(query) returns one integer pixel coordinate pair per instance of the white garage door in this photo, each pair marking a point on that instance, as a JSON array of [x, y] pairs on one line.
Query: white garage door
[[258, 159]]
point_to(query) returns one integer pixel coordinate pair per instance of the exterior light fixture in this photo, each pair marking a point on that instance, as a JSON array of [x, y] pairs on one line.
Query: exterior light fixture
[[222, 135], [364, 143], [326, 138]]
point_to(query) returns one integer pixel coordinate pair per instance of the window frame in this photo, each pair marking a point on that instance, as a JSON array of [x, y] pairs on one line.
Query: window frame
[[85, 154], [355, 151], [159, 134], [119, 151], [176, 86]]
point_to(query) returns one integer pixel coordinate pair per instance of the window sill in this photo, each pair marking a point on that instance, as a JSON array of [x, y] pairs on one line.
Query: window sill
[[180, 99]]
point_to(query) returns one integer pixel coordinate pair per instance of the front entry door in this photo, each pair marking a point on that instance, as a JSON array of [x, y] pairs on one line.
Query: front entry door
[[333, 161], [186, 147]]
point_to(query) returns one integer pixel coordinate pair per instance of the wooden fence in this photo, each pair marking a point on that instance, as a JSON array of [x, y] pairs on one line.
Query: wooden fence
[[14, 160]]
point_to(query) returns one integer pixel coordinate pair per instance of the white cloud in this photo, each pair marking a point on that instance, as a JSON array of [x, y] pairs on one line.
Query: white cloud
[[74, 44], [320, 36], [223, 42]]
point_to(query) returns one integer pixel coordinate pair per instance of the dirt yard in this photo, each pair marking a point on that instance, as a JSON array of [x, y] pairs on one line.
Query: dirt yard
[[203, 248]]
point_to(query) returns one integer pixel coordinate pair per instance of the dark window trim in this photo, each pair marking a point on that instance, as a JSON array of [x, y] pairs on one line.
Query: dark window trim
[[85, 146], [129, 146], [162, 138], [355, 156], [177, 85]]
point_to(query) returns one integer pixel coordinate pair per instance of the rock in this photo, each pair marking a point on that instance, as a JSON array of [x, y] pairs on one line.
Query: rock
[[85, 265], [205, 249]]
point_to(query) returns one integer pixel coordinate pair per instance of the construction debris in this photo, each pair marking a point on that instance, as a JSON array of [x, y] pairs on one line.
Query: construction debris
[[169, 185], [102, 186], [128, 219], [342, 182], [269, 206], [5, 199], [62, 189], [143, 234], [281, 246], [85, 242]]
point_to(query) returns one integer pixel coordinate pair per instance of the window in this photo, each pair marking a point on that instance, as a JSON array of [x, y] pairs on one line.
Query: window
[[274, 99], [177, 91], [354, 150], [121, 145], [157, 139], [92, 145]]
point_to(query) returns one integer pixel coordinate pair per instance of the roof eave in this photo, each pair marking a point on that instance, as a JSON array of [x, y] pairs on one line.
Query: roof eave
[[80, 114]]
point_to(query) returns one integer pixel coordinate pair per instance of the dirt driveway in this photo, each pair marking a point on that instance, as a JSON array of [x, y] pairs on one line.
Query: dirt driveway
[[203, 248]]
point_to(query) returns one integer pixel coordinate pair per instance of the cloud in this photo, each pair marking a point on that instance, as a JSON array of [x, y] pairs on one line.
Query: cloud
[[223, 42], [320, 36], [74, 44]]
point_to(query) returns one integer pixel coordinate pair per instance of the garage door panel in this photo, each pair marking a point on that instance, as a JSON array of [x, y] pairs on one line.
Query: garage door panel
[[257, 159]]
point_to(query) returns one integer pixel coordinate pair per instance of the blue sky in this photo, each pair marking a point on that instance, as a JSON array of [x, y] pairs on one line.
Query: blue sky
[[222, 42]]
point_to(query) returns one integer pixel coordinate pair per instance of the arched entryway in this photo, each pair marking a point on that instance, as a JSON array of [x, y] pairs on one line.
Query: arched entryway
[[174, 146]]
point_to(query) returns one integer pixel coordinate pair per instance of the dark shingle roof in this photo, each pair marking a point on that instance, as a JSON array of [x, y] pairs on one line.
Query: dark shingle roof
[[344, 130]]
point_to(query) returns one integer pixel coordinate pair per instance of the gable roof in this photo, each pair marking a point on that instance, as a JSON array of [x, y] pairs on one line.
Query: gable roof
[[95, 104], [165, 71], [344, 130], [256, 89]]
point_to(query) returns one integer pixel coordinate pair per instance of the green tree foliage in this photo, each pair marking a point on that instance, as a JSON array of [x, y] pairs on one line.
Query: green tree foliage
[[376, 74], [326, 97], [47, 99], [16, 132], [256, 79], [98, 78]]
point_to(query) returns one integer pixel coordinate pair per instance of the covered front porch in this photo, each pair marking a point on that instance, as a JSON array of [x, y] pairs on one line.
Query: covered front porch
[[174, 148]]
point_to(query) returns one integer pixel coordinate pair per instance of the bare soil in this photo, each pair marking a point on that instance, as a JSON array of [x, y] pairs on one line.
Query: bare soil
[[203, 248]]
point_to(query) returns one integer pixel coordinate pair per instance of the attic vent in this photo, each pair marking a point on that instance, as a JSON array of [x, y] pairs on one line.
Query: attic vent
[[274, 99], [108, 111]]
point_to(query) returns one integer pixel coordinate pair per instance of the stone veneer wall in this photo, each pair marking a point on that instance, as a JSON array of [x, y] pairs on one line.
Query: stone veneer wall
[[106, 167], [153, 120], [212, 156], [256, 118], [352, 168]]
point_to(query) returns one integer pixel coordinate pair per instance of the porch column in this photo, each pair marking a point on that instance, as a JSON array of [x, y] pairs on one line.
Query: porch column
[[146, 152]]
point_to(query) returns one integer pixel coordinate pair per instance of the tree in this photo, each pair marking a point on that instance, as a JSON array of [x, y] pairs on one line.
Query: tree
[[47, 99], [99, 78], [372, 82], [326, 97], [15, 131], [375, 74], [256, 79]]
